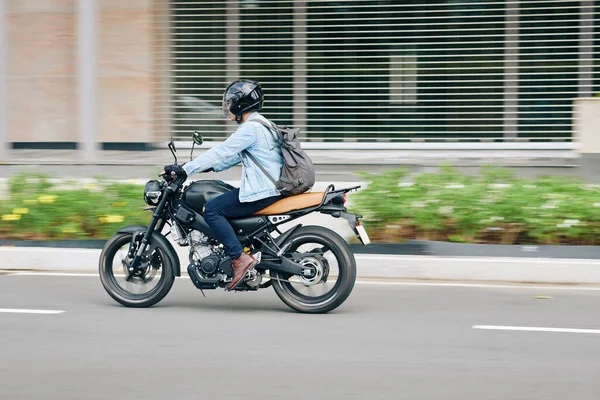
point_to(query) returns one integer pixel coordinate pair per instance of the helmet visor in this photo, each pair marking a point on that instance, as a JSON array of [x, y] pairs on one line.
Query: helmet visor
[[226, 104], [229, 96]]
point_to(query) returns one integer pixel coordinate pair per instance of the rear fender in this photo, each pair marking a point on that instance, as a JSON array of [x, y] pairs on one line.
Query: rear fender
[[337, 211], [158, 240], [283, 237]]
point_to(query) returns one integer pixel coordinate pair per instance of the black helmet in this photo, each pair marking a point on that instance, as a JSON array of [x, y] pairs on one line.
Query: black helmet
[[245, 95]]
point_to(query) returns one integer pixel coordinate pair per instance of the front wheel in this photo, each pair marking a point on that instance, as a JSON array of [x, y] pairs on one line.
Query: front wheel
[[334, 266], [147, 287]]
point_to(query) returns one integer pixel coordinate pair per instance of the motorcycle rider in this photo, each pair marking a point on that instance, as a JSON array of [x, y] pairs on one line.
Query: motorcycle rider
[[242, 101]]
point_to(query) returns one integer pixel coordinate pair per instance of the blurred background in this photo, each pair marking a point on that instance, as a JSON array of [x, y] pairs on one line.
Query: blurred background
[[436, 80]]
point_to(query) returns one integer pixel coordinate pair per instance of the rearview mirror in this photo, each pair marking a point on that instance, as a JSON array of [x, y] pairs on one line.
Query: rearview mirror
[[197, 138], [173, 150]]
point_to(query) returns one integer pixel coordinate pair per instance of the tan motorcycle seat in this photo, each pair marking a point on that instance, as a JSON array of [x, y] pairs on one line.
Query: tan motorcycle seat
[[293, 203]]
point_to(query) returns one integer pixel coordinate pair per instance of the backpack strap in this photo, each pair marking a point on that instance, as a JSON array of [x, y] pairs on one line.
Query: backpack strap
[[247, 154], [269, 126]]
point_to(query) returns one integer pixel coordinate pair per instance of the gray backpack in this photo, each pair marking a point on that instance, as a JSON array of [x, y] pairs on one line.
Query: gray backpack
[[298, 171]]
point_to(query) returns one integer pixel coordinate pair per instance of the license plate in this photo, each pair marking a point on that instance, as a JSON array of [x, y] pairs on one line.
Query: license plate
[[362, 233]]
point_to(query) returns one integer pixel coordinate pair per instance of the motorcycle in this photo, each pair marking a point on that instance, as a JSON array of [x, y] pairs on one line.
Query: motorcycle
[[311, 268]]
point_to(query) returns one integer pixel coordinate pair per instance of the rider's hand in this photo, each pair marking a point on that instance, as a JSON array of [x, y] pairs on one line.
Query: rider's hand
[[175, 171]]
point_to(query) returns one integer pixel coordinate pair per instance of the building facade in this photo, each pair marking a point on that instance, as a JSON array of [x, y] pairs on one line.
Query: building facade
[[125, 74]]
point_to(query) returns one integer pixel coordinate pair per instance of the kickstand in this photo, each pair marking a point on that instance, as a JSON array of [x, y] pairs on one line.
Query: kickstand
[[203, 293]]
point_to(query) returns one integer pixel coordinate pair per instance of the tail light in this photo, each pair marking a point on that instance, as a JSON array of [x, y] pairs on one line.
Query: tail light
[[339, 198]]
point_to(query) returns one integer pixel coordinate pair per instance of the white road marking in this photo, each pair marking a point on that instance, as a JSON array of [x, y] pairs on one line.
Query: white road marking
[[50, 274], [26, 311], [534, 329], [505, 260], [481, 285], [369, 282]]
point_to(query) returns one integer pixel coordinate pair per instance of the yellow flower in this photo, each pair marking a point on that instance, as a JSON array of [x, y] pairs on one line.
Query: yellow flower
[[119, 204], [20, 210], [68, 230], [11, 217], [112, 219], [115, 218], [32, 201], [47, 199], [90, 186]]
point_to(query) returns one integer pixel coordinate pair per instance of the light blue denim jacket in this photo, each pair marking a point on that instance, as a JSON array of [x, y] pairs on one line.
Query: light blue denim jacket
[[261, 143]]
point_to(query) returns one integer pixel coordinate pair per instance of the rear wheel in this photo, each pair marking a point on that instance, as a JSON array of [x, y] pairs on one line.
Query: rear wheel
[[330, 257], [147, 287]]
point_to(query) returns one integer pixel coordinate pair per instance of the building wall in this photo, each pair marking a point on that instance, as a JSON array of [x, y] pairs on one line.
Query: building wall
[[42, 84], [125, 71], [362, 70]]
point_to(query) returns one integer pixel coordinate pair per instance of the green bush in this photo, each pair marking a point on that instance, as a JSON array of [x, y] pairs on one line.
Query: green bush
[[494, 207], [40, 210]]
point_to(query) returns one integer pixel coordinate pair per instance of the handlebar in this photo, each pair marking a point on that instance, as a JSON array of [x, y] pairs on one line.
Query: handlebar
[[173, 175], [167, 177], [172, 179]]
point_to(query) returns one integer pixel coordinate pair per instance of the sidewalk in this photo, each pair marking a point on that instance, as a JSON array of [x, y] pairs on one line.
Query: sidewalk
[[378, 266], [331, 165], [373, 154]]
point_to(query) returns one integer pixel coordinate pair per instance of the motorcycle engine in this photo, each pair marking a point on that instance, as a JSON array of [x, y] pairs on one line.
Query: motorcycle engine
[[199, 246], [205, 256]]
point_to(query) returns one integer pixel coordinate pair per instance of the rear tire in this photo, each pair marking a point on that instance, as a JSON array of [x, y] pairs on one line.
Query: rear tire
[[122, 295], [346, 272]]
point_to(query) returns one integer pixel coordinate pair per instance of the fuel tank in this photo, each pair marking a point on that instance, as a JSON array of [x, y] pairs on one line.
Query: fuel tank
[[196, 195]]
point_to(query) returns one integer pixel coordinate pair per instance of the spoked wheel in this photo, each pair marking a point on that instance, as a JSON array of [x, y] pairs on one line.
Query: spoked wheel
[[147, 287], [333, 268]]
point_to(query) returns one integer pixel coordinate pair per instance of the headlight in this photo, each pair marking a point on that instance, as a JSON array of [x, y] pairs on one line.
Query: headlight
[[152, 193]]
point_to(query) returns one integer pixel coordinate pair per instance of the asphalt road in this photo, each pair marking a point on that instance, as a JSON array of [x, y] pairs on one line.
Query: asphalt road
[[386, 342]]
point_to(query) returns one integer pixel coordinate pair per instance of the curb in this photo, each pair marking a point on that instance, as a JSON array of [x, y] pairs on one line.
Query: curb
[[493, 269], [411, 247]]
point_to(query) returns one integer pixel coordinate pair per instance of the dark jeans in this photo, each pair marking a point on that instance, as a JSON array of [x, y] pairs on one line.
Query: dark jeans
[[228, 205]]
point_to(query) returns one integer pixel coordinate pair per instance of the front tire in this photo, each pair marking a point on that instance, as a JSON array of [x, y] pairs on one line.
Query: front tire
[[128, 293], [315, 239]]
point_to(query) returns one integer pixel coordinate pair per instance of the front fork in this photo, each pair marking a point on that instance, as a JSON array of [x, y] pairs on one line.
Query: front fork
[[133, 267]]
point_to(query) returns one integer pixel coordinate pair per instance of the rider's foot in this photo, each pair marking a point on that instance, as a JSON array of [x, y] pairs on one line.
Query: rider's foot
[[240, 265]]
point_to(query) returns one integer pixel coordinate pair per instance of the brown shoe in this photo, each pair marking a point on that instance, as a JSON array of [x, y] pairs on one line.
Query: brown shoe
[[240, 265]]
